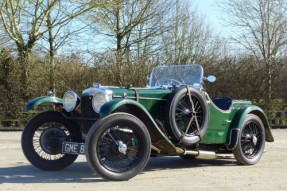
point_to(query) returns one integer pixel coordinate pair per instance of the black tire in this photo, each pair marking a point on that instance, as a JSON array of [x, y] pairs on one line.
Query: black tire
[[179, 112], [42, 140], [251, 141], [118, 146]]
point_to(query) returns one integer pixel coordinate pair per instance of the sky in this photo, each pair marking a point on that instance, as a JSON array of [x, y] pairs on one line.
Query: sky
[[206, 8], [210, 11]]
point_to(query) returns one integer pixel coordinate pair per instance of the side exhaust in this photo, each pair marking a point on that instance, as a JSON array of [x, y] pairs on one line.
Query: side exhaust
[[199, 154]]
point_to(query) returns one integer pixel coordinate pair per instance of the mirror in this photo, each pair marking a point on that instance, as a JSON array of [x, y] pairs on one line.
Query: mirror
[[211, 78]]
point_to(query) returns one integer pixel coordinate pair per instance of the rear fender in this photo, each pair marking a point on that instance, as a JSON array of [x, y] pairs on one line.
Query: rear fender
[[158, 138], [32, 104], [238, 120]]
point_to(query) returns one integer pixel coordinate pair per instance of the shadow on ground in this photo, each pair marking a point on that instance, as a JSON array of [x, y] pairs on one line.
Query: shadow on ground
[[80, 172]]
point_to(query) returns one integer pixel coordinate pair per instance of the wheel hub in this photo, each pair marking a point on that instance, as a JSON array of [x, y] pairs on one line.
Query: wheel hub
[[254, 140], [51, 140], [122, 148], [186, 111]]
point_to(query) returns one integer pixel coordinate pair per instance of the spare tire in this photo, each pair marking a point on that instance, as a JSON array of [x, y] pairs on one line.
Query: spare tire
[[180, 112]]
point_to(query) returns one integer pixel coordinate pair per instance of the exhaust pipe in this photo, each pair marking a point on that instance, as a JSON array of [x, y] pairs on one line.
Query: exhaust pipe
[[201, 154]]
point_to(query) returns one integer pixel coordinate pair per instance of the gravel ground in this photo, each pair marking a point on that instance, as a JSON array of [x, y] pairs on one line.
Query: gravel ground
[[166, 173]]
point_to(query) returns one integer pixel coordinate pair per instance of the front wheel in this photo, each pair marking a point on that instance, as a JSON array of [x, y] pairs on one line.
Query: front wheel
[[42, 140], [118, 146], [251, 141]]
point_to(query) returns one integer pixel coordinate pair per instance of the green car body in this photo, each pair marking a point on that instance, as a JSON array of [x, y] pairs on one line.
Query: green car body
[[220, 127], [152, 104]]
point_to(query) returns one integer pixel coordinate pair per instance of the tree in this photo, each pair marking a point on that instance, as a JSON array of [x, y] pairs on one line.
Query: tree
[[260, 27], [23, 22], [26, 22], [60, 31], [130, 26], [10, 106], [190, 39]]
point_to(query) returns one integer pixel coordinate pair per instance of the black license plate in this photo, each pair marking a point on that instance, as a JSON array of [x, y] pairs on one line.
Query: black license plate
[[73, 148]]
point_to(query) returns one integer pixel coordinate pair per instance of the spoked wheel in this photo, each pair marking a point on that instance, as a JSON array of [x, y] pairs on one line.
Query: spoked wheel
[[118, 146], [187, 115], [42, 140], [251, 141]]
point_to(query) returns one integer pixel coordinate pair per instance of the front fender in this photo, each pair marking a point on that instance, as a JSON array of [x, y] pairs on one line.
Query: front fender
[[158, 138], [252, 109], [111, 106], [31, 104]]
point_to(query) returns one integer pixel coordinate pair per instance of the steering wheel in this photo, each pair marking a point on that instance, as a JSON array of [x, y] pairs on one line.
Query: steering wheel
[[172, 82]]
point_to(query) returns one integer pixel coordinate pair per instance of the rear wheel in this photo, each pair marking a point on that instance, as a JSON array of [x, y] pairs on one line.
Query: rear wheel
[[251, 142], [42, 140], [118, 146]]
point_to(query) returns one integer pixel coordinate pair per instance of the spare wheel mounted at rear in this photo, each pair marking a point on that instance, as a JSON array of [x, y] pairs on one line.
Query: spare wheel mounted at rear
[[186, 115]]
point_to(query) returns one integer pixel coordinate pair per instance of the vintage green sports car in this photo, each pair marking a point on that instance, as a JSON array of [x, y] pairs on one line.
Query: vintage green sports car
[[118, 129]]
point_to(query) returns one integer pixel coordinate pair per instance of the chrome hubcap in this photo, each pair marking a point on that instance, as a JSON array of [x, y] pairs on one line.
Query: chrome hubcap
[[254, 140], [122, 147]]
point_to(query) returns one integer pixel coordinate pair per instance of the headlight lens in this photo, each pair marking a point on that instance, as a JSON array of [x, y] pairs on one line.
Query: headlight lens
[[99, 100], [70, 101]]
